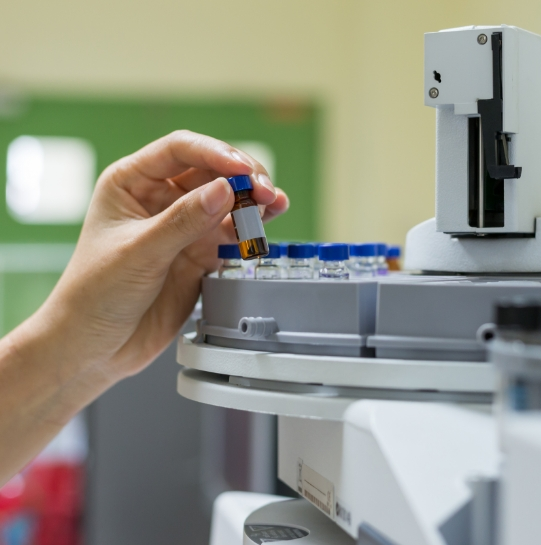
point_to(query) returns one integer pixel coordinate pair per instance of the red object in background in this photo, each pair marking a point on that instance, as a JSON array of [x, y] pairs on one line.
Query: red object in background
[[48, 498], [59, 491]]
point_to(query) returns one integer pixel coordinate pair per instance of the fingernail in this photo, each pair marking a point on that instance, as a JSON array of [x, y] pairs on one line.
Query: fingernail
[[287, 200], [238, 157], [215, 196], [264, 180]]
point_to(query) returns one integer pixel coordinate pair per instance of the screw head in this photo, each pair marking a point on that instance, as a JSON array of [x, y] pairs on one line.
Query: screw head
[[482, 39], [433, 93]]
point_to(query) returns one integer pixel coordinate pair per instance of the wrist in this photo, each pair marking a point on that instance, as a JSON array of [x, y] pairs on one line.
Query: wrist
[[57, 379]]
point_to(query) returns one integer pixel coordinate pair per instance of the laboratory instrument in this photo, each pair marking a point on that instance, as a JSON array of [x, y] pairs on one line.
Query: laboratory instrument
[[407, 406]]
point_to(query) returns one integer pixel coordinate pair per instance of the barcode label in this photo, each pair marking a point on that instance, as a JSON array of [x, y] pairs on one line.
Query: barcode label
[[316, 489], [318, 503]]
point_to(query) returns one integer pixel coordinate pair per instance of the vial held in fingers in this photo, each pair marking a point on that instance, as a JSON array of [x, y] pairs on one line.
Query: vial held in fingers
[[247, 221]]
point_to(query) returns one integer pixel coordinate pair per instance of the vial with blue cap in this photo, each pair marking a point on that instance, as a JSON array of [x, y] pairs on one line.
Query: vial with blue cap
[[232, 263], [333, 259], [317, 262], [362, 260], [247, 220], [300, 266], [268, 267], [284, 261], [393, 258], [381, 259]]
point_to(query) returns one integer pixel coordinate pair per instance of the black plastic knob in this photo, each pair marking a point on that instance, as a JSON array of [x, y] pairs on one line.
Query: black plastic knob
[[519, 314]]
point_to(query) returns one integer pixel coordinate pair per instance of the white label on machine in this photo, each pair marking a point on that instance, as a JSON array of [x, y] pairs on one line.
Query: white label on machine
[[316, 489], [248, 223]]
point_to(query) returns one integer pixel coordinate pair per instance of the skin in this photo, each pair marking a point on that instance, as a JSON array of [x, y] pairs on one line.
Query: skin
[[150, 235]]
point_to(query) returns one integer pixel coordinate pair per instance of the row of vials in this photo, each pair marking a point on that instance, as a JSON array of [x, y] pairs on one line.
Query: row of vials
[[333, 261]]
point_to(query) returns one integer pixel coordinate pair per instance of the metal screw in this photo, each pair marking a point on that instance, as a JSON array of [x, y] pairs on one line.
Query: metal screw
[[482, 39], [433, 93]]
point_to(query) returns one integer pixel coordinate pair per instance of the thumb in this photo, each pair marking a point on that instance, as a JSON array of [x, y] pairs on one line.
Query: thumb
[[192, 216]]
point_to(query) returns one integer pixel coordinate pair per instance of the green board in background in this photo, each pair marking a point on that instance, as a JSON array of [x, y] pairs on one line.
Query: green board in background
[[116, 128]]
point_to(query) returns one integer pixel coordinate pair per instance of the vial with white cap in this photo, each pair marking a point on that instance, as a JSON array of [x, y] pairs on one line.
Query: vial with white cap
[[247, 220], [268, 267], [232, 264], [300, 266], [381, 259], [333, 259], [362, 260]]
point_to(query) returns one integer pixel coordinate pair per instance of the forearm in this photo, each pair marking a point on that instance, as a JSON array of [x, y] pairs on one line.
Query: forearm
[[151, 232], [54, 364], [41, 388]]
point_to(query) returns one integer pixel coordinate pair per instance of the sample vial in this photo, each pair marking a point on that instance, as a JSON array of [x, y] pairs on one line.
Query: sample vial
[[247, 221], [516, 354], [393, 258], [381, 259], [268, 267], [300, 265], [317, 262], [362, 260], [284, 261], [232, 264], [333, 259]]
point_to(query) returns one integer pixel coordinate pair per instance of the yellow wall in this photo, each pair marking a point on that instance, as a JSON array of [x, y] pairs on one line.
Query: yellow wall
[[363, 59], [390, 187]]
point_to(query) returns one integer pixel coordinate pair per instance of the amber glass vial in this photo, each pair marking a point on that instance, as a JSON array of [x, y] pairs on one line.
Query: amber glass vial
[[247, 221]]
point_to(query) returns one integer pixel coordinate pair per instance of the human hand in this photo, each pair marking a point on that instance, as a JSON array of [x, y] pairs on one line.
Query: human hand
[[151, 233]]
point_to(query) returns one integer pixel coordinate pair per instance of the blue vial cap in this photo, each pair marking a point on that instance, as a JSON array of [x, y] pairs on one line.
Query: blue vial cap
[[334, 252], [382, 249], [301, 251], [274, 252], [240, 183], [228, 251], [363, 250], [394, 252], [283, 248]]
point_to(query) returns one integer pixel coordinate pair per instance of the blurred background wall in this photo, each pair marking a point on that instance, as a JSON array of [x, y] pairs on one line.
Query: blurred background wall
[[361, 60]]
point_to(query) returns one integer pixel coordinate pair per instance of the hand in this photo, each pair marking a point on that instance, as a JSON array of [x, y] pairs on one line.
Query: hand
[[151, 233]]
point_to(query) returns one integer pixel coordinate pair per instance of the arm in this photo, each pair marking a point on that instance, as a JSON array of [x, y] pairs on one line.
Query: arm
[[151, 233]]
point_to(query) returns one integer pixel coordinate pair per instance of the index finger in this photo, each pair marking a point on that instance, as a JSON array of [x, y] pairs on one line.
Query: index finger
[[181, 150]]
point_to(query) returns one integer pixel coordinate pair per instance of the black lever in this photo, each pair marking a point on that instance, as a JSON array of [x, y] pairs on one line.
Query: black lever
[[491, 111]]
